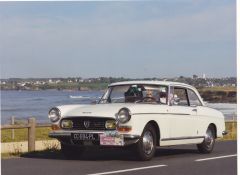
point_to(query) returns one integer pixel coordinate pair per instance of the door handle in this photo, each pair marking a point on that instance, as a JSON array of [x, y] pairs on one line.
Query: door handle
[[194, 110]]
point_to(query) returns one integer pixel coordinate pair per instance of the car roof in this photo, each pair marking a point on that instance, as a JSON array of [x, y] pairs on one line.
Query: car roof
[[166, 83]]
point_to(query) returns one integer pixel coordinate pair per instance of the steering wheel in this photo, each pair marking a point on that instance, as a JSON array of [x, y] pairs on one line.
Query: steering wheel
[[148, 99]]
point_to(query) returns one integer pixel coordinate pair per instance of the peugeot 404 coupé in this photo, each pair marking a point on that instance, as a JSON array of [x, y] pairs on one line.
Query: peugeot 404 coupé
[[138, 114]]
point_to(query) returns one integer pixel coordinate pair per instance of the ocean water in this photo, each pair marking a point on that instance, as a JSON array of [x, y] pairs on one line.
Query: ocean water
[[25, 104]]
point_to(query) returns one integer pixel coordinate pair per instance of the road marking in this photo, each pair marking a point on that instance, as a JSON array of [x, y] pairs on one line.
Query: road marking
[[220, 157], [127, 170]]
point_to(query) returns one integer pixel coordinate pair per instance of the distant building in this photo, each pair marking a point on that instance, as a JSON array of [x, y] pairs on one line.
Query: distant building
[[195, 77], [204, 76]]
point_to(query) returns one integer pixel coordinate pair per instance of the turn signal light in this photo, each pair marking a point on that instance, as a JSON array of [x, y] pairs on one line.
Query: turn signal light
[[55, 127], [124, 128]]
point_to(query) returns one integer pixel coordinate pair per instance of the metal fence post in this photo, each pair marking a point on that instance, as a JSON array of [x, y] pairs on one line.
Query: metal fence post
[[31, 134]]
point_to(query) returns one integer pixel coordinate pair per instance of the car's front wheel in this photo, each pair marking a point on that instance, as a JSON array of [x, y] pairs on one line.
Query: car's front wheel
[[146, 146], [208, 143], [71, 151]]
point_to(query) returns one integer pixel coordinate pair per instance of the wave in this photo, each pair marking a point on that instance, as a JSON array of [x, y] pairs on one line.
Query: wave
[[83, 97]]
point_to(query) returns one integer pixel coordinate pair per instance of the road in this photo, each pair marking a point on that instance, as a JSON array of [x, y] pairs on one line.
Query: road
[[167, 161]]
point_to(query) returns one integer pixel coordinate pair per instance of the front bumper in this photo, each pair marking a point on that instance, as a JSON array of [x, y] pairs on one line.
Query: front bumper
[[224, 132], [65, 137]]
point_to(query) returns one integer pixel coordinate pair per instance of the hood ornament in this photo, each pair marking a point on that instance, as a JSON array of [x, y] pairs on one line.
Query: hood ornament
[[86, 123]]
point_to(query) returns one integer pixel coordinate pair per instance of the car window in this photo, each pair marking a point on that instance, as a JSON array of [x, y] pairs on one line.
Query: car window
[[180, 97], [117, 94], [136, 93], [193, 98]]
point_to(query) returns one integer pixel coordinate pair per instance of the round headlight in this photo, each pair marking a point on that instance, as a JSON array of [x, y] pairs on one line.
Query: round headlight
[[124, 115], [54, 114]]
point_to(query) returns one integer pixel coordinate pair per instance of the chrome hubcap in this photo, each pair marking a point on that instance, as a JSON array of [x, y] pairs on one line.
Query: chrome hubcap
[[209, 138], [147, 142]]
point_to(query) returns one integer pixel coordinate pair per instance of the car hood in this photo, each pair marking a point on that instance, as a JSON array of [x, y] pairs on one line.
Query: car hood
[[108, 110]]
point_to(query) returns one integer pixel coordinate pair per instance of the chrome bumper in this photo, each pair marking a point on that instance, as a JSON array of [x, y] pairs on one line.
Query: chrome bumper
[[65, 136], [224, 132]]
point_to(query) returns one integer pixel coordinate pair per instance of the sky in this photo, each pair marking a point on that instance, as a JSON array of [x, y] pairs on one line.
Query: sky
[[120, 39]]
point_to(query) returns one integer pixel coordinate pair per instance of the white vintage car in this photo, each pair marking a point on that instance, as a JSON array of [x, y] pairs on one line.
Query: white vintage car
[[141, 115]]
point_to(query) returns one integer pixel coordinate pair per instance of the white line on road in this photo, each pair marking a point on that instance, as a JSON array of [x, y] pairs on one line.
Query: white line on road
[[220, 157], [127, 170]]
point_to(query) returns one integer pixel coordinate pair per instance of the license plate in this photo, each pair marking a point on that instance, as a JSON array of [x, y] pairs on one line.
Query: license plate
[[111, 140], [84, 136]]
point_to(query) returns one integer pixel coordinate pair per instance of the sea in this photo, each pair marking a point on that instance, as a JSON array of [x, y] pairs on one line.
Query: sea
[[26, 104]]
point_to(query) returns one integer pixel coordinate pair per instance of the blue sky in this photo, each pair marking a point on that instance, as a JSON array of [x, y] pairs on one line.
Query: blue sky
[[129, 39]]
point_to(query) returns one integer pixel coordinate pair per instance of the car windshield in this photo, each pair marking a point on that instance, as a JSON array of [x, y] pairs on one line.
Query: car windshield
[[136, 93]]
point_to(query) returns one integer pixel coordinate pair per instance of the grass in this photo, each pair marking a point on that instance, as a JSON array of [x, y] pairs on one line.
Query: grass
[[231, 127], [22, 134]]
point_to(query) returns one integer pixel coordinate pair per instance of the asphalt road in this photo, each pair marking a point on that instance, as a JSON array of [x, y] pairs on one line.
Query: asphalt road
[[167, 161]]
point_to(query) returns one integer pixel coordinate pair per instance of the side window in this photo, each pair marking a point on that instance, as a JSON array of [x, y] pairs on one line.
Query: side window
[[193, 98], [180, 97]]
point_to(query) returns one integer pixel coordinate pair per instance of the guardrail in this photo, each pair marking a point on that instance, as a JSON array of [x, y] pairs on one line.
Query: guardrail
[[31, 126]]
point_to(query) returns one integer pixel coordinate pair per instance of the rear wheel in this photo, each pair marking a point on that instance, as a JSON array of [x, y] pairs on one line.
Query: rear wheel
[[71, 152], [208, 143], [146, 146]]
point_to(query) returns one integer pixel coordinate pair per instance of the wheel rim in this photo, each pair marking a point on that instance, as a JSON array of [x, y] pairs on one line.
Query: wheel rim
[[147, 142], [209, 138]]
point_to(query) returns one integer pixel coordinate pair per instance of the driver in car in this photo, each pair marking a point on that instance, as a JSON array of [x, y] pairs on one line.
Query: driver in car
[[149, 98]]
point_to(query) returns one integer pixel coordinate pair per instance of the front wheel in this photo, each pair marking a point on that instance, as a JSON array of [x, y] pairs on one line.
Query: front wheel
[[208, 143], [146, 146], [71, 152]]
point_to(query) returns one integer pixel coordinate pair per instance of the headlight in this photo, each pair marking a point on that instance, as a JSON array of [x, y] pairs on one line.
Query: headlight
[[124, 115], [54, 114], [66, 124]]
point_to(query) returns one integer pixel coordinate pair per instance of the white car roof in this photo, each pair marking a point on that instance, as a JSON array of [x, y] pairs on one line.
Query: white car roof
[[166, 83]]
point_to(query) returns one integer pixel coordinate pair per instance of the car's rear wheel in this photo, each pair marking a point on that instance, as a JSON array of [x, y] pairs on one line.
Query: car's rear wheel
[[71, 151], [208, 143], [146, 146]]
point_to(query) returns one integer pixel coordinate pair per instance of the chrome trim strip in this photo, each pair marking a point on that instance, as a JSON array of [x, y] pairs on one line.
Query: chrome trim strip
[[161, 113], [182, 138]]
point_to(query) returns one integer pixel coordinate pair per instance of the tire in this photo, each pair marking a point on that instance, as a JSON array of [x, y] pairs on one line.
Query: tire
[[145, 148], [71, 152], [208, 143]]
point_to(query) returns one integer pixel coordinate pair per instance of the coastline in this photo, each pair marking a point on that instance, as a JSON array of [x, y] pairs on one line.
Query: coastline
[[209, 94]]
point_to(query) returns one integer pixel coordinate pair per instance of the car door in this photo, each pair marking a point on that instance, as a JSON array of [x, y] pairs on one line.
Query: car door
[[183, 115]]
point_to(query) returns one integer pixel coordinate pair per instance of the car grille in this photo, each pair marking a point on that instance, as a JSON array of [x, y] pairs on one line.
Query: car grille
[[91, 123]]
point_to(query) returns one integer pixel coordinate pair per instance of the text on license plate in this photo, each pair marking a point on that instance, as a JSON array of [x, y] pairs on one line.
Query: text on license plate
[[111, 140], [84, 136]]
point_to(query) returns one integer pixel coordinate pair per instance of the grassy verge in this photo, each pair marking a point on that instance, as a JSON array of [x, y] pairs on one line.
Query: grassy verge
[[22, 134], [231, 127]]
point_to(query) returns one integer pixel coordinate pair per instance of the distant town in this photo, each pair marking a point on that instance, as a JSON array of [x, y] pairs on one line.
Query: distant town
[[78, 83], [217, 90]]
